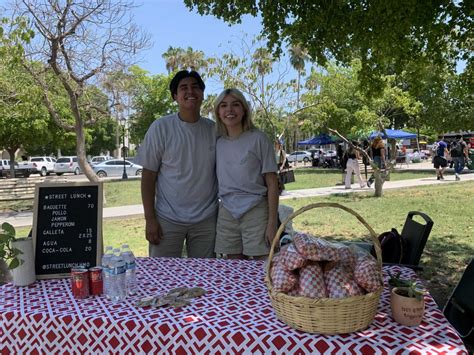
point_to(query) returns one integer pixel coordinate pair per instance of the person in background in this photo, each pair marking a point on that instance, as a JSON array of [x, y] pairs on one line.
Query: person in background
[[352, 165], [179, 185], [341, 157], [404, 150], [282, 163], [440, 159], [459, 154], [365, 160], [377, 151], [248, 187]]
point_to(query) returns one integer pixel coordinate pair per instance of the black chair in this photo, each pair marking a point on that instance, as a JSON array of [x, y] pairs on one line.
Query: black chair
[[415, 235], [459, 310]]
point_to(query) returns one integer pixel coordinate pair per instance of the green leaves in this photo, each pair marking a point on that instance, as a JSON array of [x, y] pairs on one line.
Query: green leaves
[[151, 100], [8, 229], [14, 263], [7, 253], [386, 35]]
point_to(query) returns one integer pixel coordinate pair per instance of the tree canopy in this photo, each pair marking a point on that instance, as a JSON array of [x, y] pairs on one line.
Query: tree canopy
[[385, 35], [75, 41], [23, 118], [151, 99]]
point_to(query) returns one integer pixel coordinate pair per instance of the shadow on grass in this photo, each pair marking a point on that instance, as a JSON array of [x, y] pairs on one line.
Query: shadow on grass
[[444, 260]]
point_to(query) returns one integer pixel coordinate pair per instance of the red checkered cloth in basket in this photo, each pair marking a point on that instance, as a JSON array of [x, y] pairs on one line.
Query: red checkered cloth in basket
[[290, 258], [295, 290], [367, 274], [311, 282], [315, 249], [348, 255], [283, 280], [340, 281]]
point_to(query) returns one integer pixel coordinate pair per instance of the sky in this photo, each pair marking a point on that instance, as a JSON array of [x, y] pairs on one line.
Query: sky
[[171, 23]]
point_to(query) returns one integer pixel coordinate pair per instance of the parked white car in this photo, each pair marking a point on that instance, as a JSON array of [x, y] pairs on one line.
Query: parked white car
[[67, 165], [44, 165], [22, 169], [301, 155], [330, 154], [99, 159], [115, 168]]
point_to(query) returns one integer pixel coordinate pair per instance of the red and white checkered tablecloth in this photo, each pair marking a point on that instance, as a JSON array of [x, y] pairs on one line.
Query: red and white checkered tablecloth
[[235, 316]]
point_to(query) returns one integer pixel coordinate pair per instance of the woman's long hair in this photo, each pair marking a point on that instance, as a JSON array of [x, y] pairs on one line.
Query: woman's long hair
[[247, 123]]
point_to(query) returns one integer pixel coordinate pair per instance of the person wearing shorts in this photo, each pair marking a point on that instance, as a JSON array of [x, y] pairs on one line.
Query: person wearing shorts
[[439, 161], [247, 181]]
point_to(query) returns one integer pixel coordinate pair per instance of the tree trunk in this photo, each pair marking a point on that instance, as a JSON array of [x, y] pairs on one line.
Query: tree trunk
[[81, 150], [378, 183], [11, 153]]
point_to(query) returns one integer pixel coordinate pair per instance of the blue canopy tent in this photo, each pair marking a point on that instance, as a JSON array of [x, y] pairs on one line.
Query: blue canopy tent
[[321, 139], [393, 133]]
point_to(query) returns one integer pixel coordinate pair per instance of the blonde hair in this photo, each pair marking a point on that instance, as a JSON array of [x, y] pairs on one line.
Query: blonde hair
[[247, 123], [378, 143]]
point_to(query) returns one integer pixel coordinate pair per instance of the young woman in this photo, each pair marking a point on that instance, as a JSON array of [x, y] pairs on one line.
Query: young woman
[[352, 165], [246, 173], [378, 155]]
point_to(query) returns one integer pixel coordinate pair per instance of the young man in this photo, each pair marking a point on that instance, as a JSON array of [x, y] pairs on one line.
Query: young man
[[179, 184], [459, 153], [439, 161]]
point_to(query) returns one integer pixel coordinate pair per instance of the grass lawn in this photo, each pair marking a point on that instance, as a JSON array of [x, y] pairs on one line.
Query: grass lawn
[[121, 193], [307, 178], [447, 252], [449, 248], [451, 242]]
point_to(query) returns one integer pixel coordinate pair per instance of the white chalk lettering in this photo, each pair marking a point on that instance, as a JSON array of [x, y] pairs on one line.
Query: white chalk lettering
[[63, 224], [53, 232], [65, 266], [54, 207], [56, 196], [59, 213], [76, 195]]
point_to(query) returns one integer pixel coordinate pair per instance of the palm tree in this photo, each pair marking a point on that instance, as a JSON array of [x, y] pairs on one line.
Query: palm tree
[[207, 107], [263, 62], [173, 57], [178, 58], [298, 57], [194, 60]]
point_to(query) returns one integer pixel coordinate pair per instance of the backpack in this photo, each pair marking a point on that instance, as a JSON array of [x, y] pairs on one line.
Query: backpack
[[393, 247], [456, 149], [440, 150]]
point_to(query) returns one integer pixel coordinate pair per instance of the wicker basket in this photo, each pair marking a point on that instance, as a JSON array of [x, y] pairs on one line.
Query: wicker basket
[[325, 315]]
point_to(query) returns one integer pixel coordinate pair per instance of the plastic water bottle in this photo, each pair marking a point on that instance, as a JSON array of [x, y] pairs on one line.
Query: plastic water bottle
[[119, 288], [107, 271], [131, 270]]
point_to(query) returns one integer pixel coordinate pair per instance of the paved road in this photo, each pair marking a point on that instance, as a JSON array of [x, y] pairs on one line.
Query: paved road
[[25, 219]]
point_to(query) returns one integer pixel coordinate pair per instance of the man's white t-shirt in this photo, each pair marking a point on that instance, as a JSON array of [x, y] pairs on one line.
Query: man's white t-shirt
[[184, 155], [241, 163]]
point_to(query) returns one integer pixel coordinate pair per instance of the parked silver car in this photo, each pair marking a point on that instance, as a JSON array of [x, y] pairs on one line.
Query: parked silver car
[[67, 165], [301, 155], [99, 159], [115, 168]]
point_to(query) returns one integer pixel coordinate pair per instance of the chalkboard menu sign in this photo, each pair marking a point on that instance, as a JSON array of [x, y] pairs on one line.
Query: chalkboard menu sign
[[67, 227]]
